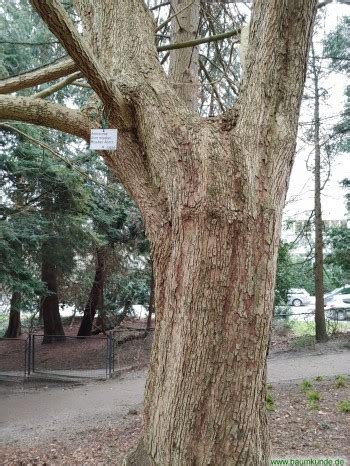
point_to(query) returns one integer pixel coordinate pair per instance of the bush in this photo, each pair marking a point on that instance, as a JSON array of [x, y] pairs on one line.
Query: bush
[[344, 406], [305, 385], [340, 381]]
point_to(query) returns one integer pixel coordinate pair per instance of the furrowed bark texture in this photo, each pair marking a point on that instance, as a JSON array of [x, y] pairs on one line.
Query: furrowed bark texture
[[14, 326], [53, 328], [211, 193], [183, 71], [95, 299]]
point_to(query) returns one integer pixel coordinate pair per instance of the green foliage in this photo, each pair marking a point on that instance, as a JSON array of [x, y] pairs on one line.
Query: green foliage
[[284, 277], [344, 406], [306, 385], [313, 405], [337, 47], [338, 240], [340, 381], [270, 403], [312, 395]]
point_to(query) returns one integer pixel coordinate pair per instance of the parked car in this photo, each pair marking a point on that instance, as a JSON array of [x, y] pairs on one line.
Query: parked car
[[343, 291], [338, 308], [298, 297]]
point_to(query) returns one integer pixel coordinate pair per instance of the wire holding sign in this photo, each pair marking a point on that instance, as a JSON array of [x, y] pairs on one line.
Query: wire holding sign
[[103, 139]]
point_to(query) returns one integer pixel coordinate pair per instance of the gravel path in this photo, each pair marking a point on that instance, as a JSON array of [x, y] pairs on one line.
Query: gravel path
[[49, 412]]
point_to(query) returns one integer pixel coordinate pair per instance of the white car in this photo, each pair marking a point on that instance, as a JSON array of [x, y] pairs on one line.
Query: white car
[[343, 292], [338, 307], [298, 297]]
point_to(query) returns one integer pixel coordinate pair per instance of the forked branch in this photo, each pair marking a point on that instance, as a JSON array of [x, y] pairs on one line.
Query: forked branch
[[60, 24]]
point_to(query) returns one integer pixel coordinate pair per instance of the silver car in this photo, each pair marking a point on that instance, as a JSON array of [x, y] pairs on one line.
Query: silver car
[[298, 297], [343, 292]]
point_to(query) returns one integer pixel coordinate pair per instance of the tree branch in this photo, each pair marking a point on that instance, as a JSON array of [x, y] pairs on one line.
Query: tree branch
[[201, 40], [59, 23], [42, 113], [58, 86], [38, 76]]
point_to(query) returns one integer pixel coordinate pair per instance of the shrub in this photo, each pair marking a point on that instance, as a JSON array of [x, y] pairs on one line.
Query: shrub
[[312, 395], [313, 405], [270, 404], [340, 381], [344, 406], [306, 385]]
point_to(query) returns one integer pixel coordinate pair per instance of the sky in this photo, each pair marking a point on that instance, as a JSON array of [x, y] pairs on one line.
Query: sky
[[300, 195]]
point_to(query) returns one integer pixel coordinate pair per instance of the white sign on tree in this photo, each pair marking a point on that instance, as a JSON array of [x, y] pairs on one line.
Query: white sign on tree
[[103, 139]]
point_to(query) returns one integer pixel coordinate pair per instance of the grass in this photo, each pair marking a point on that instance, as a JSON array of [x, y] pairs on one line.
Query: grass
[[306, 385], [312, 395], [344, 406], [340, 382], [270, 404], [313, 405], [301, 328]]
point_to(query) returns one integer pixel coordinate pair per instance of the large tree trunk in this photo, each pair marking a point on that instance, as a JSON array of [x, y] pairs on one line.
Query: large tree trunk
[[211, 192], [53, 328], [205, 399], [95, 299], [14, 327], [320, 321]]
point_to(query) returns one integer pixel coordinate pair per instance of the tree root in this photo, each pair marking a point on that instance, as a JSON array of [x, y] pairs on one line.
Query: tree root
[[138, 457]]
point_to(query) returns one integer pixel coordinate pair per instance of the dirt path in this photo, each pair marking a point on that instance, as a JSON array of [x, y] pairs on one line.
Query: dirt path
[[289, 367], [31, 415]]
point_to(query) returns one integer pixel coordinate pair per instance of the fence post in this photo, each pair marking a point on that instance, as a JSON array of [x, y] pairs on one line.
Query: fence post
[[33, 351], [110, 354], [29, 355], [25, 356]]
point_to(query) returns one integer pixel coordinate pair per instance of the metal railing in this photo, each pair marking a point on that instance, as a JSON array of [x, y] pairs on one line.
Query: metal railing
[[64, 357]]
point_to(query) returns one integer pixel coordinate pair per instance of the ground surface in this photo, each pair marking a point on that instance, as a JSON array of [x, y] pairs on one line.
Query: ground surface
[[96, 423]]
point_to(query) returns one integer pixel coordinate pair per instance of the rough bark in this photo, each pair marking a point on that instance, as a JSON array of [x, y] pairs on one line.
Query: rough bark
[[14, 326], [95, 299], [211, 193], [40, 112], [151, 301], [53, 328], [320, 321], [183, 71], [38, 76]]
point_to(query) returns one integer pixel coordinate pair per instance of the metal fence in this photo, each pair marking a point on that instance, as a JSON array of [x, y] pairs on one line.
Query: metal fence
[[131, 351], [71, 356], [64, 357], [68, 357]]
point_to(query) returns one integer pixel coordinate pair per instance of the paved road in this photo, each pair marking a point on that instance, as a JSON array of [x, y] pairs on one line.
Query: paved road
[[28, 416]]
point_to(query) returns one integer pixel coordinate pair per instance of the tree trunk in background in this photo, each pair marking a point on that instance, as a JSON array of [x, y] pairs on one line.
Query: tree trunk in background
[[151, 301], [95, 299], [53, 328], [320, 321], [183, 71], [14, 327]]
